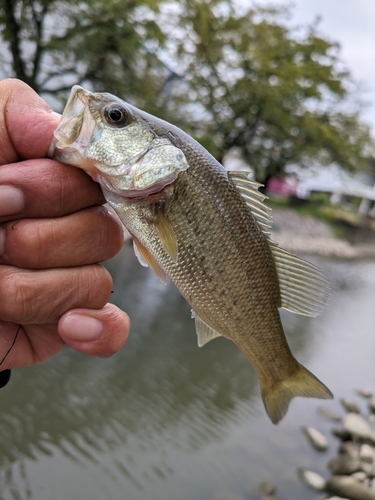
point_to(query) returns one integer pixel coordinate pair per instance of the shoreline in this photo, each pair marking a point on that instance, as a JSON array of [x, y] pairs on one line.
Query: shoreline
[[305, 235]]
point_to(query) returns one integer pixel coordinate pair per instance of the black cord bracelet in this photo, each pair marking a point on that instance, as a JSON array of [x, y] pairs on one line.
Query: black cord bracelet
[[4, 378]]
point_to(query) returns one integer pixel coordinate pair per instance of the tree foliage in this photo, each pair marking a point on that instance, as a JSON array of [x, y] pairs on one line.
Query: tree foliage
[[234, 79], [274, 94], [54, 44]]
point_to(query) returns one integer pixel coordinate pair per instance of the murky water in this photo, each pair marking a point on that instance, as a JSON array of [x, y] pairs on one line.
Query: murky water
[[165, 420]]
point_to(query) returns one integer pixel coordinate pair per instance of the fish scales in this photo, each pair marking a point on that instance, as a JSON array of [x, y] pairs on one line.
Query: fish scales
[[191, 222], [221, 270]]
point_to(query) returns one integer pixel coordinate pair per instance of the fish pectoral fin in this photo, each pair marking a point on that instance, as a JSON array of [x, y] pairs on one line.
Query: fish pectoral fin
[[204, 332], [303, 383], [304, 289], [166, 235], [147, 260]]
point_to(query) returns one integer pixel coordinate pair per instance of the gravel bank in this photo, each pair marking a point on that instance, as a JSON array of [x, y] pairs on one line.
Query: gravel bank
[[306, 235]]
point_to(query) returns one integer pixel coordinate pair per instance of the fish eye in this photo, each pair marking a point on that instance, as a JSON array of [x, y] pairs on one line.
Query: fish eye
[[116, 115]]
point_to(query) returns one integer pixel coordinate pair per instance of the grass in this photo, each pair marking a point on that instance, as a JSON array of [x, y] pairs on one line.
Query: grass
[[320, 208]]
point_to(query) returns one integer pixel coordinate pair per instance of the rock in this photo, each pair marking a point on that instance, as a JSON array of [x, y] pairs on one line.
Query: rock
[[328, 413], [350, 405], [337, 498], [371, 405], [368, 469], [365, 393], [360, 475], [366, 453], [357, 426], [316, 438], [349, 487], [342, 434], [344, 464], [227, 495], [267, 489], [312, 479], [350, 448]]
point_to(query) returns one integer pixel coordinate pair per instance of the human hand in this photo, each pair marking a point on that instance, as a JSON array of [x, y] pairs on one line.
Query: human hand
[[53, 232]]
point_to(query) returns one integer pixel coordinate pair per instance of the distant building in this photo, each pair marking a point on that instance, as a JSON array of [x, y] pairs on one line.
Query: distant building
[[355, 192], [351, 191]]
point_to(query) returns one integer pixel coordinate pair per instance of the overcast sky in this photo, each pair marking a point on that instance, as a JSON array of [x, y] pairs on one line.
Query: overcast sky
[[352, 24]]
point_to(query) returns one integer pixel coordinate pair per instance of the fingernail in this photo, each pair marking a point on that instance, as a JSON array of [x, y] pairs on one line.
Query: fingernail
[[81, 328], [11, 200]]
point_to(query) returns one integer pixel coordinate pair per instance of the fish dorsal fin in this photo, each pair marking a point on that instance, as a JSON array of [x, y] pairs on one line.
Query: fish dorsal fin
[[204, 332], [304, 289], [166, 235], [147, 260], [254, 199]]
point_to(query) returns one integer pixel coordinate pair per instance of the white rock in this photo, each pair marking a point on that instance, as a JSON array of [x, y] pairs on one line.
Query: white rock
[[365, 393], [312, 479], [337, 498], [366, 453], [357, 426], [328, 413], [360, 475], [316, 438], [350, 405]]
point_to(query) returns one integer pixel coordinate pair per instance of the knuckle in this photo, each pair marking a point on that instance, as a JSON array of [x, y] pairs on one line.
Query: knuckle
[[25, 242], [18, 296], [99, 286]]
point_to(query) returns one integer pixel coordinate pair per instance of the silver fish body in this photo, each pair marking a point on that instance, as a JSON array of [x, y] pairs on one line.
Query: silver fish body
[[204, 228]]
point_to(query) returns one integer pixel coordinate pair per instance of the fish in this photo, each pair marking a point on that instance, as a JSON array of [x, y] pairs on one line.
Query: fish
[[206, 229]]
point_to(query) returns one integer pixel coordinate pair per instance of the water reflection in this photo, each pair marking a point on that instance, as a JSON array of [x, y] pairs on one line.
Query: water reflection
[[164, 419]]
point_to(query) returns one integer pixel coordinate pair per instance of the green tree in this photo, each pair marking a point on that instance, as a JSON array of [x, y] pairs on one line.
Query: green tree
[[53, 45], [240, 79], [274, 94]]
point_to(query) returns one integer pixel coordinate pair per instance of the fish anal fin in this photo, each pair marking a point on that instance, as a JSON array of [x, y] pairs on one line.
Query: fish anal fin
[[166, 235], [146, 259], [303, 383], [204, 332]]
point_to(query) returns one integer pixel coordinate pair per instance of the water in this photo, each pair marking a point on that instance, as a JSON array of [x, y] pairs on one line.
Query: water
[[165, 420]]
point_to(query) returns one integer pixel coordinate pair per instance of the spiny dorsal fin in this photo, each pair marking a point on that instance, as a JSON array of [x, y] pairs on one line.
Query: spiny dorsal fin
[[147, 260], [254, 199], [304, 289], [166, 235], [204, 332]]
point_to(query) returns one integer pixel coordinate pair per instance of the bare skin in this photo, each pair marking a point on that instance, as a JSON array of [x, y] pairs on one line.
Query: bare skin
[[53, 232]]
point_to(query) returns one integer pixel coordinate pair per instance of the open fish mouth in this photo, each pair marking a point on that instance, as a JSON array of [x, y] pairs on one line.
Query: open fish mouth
[[75, 129], [124, 156]]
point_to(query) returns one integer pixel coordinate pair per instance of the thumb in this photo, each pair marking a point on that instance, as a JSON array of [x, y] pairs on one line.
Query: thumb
[[96, 332], [27, 122]]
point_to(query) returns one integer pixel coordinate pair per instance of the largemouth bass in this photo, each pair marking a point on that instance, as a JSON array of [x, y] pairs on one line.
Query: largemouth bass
[[204, 228]]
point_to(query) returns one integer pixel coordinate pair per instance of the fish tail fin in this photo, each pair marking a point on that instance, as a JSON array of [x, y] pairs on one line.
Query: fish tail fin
[[276, 399]]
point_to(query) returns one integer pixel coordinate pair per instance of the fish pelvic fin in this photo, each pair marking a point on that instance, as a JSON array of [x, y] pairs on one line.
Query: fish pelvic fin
[[303, 383], [147, 260]]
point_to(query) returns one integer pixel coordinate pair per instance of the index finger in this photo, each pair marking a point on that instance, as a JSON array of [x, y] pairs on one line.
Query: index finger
[[27, 122]]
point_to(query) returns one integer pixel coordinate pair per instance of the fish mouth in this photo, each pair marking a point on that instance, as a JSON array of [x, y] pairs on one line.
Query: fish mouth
[[75, 129]]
